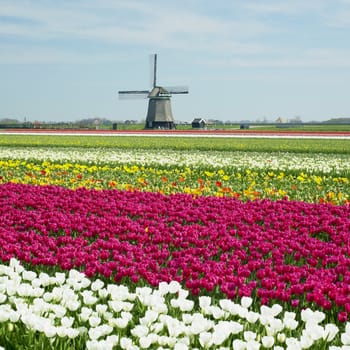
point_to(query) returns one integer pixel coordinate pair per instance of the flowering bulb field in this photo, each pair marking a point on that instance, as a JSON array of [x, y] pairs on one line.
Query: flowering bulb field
[[121, 248], [310, 177]]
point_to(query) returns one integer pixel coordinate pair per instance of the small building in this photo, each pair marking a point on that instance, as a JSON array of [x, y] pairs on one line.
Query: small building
[[199, 123], [244, 126]]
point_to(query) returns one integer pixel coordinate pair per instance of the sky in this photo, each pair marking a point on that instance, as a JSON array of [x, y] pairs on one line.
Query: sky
[[253, 60]]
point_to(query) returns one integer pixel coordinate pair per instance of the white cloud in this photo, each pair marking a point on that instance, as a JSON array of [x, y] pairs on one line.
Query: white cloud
[[287, 7], [113, 26]]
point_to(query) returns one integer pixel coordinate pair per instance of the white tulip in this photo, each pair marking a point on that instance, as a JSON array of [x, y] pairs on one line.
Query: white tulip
[[59, 310], [139, 331], [238, 344], [221, 332], [150, 317], [253, 345], [113, 339], [181, 346], [99, 345], [36, 282], [67, 321], [127, 306], [4, 315], [330, 331], [187, 318], [235, 327], [28, 275], [97, 285], [120, 322], [14, 316], [345, 338], [281, 337], [205, 339], [127, 315], [217, 312], [88, 297], [306, 341], [289, 315], [50, 331], [276, 325], [293, 344], [186, 305], [160, 308], [246, 302], [73, 305], [249, 335], [94, 320], [60, 278], [183, 294], [147, 341], [347, 328], [103, 293], [268, 341], [174, 303], [308, 315], [252, 316], [266, 311], [204, 302], [3, 298], [314, 331], [290, 323], [101, 309], [174, 287], [72, 333], [16, 265], [242, 312], [200, 324], [157, 327], [116, 305], [97, 332], [11, 288], [226, 305], [163, 340], [45, 279], [163, 288], [141, 292], [82, 330], [85, 313], [276, 309]]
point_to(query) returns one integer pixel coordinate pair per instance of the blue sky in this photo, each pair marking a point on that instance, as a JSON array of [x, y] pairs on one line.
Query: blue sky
[[241, 59]]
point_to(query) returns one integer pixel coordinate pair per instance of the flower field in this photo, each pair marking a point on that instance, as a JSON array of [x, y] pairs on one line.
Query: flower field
[[309, 177], [122, 248]]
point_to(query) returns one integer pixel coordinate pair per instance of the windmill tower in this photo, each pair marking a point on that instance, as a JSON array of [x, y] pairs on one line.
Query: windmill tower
[[159, 114]]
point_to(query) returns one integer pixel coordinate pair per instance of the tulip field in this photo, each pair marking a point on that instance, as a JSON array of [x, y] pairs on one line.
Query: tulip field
[[194, 245]]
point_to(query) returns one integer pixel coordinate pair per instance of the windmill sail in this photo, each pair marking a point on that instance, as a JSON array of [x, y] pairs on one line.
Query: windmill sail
[[131, 94]]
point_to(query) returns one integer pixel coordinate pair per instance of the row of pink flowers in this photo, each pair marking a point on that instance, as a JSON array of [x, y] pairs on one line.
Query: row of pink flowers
[[290, 251]]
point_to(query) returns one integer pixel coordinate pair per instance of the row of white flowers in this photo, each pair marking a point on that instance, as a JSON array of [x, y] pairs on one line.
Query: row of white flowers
[[311, 163], [66, 306]]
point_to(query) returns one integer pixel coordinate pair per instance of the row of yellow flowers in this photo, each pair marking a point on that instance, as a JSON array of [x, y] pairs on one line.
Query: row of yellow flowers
[[241, 183]]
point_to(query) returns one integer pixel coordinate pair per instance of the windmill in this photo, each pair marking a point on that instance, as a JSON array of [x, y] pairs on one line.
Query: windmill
[[159, 114]]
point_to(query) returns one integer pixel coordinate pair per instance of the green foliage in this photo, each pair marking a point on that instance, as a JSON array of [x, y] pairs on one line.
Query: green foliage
[[300, 145]]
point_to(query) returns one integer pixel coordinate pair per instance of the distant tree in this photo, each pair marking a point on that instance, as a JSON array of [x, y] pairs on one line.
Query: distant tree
[[8, 121], [296, 120], [343, 120]]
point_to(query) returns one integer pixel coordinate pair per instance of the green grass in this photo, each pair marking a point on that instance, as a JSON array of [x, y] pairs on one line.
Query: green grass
[[302, 145]]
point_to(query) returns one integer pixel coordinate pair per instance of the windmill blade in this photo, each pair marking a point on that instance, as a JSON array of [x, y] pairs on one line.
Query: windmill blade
[[177, 89], [132, 94], [153, 70]]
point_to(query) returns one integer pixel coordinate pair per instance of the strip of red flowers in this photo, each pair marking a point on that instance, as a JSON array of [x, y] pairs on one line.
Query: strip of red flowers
[[274, 251]]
